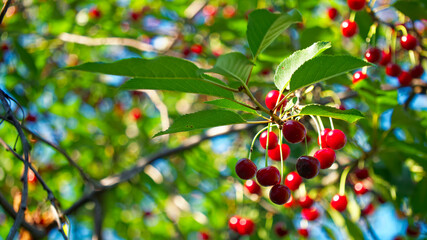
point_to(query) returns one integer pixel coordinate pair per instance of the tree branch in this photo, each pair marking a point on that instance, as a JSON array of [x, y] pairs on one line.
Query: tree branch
[[4, 10]]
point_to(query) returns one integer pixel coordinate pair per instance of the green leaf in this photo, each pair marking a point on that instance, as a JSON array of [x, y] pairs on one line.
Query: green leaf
[[264, 27], [351, 115], [329, 232], [377, 99], [354, 231], [203, 119], [322, 68], [288, 66], [419, 196], [225, 103], [414, 9], [162, 73], [234, 65], [26, 58]]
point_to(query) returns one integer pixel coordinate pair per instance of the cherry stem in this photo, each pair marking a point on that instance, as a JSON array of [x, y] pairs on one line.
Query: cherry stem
[[332, 123], [364, 69], [266, 147], [281, 155], [318, 130], [303, 191], [306, 145], [412, 57], [321, 123], [352, 16], [372, 32], [402, 28], [343, 179], [393, 45], [253, 142]]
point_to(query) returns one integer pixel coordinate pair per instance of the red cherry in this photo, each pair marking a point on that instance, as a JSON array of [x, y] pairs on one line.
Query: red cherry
[[135, 15], [94, 13], [322, 137], [417, 71], [245, 168], [290, 203], [280, 229], [339, 202], [348, 28], [275, 152], [252, 187], [303, 232], [385, 58], [293, 131], [368, 210], [136, 114], [307, 166], [245, 226], [381, 199], [392, 70], [405, 78], [233, 222], [305, 201], [293, 180], [332, 13], [31, 118], [196, 48], [204, 236], [336, 139], [272, 140], [209, 10], [229, 11], [359, 76], [356, 5], [280, 194], [326, 157], [408, 42], [373, 55], [361, 173], [271, 99], [413, 231], [360, 189], [4, 47], [268, 176], [310, 214]]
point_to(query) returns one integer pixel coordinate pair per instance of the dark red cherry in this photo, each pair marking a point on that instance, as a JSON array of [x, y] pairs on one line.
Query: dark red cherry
[[392, 70], [196, 48], [368, 210], [293, 131], [326, 157], [245, 168], [332, 13], [336, 139], [356, 5], [293, 180], [280, 229], [413, 231], [310, 214], [291, 203], [135, 15], [303, 232], [385, 58], [268, 176], [361, 173], [280, 194], [348, 28], [360, 189], [417, 71], [245, 226], [322, 137], [339, 202], [271, 99], [359, 76], [408, 42], [373, 55], [307, 166], [233, 222], [31, 118], [272, 140], [405, 78], [274, 153], [305, 201], [252, 187]]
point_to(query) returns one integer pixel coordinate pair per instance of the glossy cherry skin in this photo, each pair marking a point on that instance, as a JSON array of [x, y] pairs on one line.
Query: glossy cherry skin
[[245, 168], [326, 157], [373, 55], [336, 139], [268, 176], [196, 48], [361, 173], [385, 58], [272, 140], [293, 131], [356, 5], [271, 99], [290, 203], [280, 229], [307, 166], [360, 189], [245, 226], [413, 231], [310, 214], [303, 232], [368, 210], [233, 222], [293, 180], [322, 137], [392, 70], [348, 28], [408, 42], [274, 154], [359, 76], [339, 202], [305, 201], [280, 194], [252, 187], [417, 71], [332, 13], [404, 78]]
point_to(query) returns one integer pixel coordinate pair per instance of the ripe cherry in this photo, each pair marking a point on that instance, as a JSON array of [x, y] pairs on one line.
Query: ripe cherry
[[336, 139], [245, 226], [196, 48], [385, 58], [272, 140], [408, 42], [392, 70], [252, 187], [94, 13], [31, 118], [307, 166], [245, 168], [368, 210], [413, 231], [361, 173], [293, 131], [373, 55], [359, 76], [136, 114], [303, 232], [360, 189], [339, 202], [204, 236], [275, 153], [229, 11], [209, 10], [310, 214], [4, 47], [268, 176], [135, 15], [293, 180], [291, 203], [417, 71], [326, 157], [405, 78], [280, 229], [280, 194], [233, 222], [356, 5], [322, 137], [305, 201], [332, 13], [271, 99], [348, 28]]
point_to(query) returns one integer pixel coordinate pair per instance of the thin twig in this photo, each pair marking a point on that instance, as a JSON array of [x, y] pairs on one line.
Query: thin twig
[[4, 10]]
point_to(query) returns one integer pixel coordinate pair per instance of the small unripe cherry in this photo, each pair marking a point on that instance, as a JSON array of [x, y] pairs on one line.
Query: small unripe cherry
[[339, 202], [360, 189], [348, 28], [252, 187], [417, 71], [271, 99], [305, 201], [332, 13], [405, 78], [280, 194], [272, 140], [336, 139], [322, 137], [245, 168], [274, 153], [408, 42], [356, 5], [359, 76], [293, 131], [307, 166], [373, 55], [310, 214], [326, 157], [293, 180], [268, 176], [392, 70]]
